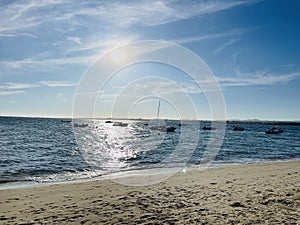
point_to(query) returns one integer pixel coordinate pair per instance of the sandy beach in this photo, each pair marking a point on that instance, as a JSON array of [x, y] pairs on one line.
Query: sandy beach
[[248, 194]]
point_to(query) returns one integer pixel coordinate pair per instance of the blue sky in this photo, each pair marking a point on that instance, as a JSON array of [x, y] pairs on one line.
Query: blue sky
[[251, 46]]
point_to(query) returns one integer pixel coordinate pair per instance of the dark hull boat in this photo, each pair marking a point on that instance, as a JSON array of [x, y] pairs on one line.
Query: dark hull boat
[[208, 128], [120, 124], [237, 128], [80, 125], [274, 130], [166, 129], [163, 128]]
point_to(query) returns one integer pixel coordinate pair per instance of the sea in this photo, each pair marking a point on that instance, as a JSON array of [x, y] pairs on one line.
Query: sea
[[45, 150]]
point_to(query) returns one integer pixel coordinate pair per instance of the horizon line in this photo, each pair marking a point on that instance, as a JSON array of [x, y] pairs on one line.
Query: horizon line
[[120, 118]]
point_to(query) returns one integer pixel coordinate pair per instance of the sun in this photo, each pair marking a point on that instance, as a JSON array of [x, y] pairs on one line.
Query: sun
[[118, 56]]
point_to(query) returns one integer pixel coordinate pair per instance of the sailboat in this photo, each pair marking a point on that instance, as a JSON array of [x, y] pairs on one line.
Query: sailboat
[[162, 128]]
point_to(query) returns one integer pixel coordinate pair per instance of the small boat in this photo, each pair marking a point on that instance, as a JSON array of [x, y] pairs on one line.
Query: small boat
[[208, 128], [163, 128], [237, 128], [65, 121], [120, 124], [274, 130], [166, 129], [80, 124], [153, 127], [182, 124]]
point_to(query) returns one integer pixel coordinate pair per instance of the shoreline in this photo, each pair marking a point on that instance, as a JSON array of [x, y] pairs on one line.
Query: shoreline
[[261, 193], [19, 184]]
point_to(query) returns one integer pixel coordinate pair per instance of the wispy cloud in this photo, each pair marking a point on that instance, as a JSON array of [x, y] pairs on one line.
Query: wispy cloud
[[12, 88], [224, 45], [18, 34], [258, 78], [152, 13], [58, 83], [11, 92], [29, 15], [30, 63], [77, 20], [102, 44], [165, 88], [233, 32], [15, 63], [190, 87], [75, 39]]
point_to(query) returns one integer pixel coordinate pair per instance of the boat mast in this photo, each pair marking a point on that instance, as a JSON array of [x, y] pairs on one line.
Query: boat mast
[[157, 114]]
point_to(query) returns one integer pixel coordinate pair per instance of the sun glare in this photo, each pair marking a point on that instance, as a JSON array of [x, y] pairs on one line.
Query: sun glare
[[118, 56]]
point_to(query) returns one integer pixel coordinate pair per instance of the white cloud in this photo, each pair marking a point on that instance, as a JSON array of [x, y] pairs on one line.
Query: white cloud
[[11, 88], [30, 63], [75, 39], [152, 13], [166, 87], [103, 44], [58, 83], [17, 17], [31, 18], [14, 64], [223, 46], [7, 35], [11, 92], [14, 86], [258, 78], [254, 79], [233, 32]]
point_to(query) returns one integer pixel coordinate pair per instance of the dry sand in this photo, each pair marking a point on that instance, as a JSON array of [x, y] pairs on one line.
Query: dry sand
[[248, 194]]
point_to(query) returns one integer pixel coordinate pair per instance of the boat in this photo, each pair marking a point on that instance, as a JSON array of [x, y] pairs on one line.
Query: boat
[[182, 124], [80, 124], [120, 124], [66, 121], [237, 128], [154, 127], [274, 130], [208, 128], [162, 128], [166, 129]]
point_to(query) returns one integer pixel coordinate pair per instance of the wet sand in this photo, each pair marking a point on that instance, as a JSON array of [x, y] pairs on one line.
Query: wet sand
[[248, 194]]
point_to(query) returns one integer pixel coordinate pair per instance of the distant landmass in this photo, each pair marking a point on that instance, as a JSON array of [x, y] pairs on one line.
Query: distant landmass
[[233, 121]]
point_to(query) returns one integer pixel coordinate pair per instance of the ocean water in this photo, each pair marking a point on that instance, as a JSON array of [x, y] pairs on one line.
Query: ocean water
[[53, 150]]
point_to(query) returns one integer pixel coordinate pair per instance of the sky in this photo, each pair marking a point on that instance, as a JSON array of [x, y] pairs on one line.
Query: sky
[[251, 47]]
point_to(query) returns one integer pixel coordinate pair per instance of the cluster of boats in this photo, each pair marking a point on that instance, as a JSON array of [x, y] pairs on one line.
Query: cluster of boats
[[158, 128], [234, 127], [273, 130], [118, 124], [163, 128]]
